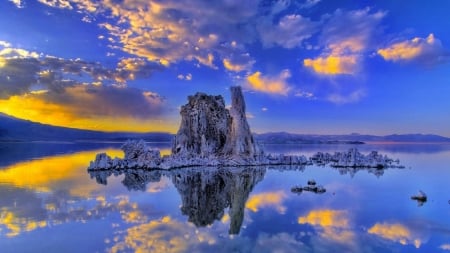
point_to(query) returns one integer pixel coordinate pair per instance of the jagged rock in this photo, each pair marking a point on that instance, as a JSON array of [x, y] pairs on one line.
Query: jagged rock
[[240, 141], [205, 126]]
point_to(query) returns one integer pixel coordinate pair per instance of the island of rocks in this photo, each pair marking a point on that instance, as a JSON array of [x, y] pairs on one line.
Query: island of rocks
[[212, 135]]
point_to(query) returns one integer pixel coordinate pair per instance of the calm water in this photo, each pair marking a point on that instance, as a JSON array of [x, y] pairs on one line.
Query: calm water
[[49, 203]]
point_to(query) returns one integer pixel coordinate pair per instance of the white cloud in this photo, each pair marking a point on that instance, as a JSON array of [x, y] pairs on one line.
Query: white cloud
[[18, 3], [187, 77], [352, 97], [289, 32]]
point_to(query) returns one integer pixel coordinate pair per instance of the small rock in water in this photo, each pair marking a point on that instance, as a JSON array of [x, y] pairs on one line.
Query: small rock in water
[[297, 189], [311, 182], [421, 198], [311, 187]]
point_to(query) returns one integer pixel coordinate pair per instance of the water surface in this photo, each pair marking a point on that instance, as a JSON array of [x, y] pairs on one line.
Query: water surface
[[49, 203]]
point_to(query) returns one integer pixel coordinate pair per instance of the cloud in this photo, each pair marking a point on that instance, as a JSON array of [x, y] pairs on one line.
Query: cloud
[[352, 97], [232, 67], [304, 94], [164, 235], [76, 93], [18, 3], [332, 64], [289, 32], [92, 107], [396, 232], [427, 50], [63, 4], [267, 199], [272, 85], [332, 224], [343, 47], [445, 246], [187, 77]]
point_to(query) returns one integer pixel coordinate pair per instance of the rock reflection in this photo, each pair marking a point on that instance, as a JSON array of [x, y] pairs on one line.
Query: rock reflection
[[205, 192]]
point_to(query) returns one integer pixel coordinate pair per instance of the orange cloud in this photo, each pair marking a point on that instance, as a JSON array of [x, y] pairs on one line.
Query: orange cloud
[[334, 224], [273, 85], [267, 199], [164, 235], [93, 109], [233, 67], [428, 48], [395, 232], [332, 65], [48, 173], [325, 218]]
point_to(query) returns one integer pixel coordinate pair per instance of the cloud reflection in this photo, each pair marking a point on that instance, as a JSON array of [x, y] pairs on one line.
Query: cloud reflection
[[50, 173], [267, 199], [396, 232]]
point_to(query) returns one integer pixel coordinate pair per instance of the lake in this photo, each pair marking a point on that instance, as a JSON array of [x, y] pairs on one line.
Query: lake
[[50, 203]]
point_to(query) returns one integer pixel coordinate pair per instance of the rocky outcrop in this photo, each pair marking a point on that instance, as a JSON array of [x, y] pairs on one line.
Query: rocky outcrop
[[212, 135], [205, 127], [240, 142]]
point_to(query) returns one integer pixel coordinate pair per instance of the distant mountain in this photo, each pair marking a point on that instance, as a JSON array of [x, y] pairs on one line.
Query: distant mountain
[[14, 129], [283, 137]]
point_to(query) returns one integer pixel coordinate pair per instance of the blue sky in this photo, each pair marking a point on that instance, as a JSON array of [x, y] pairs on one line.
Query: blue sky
[[313, 66]]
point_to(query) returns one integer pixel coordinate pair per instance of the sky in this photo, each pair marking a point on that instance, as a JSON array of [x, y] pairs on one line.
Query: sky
[[309, 66]]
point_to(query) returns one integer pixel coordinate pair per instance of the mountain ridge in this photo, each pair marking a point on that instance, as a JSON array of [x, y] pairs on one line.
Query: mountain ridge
[[15, 129]]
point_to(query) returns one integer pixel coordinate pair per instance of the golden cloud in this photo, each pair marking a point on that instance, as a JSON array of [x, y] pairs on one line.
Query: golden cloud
[[334, 224], [233, 67], [48, 173], [267, 199], [429, 49], [332, 65], [16, 225], [395, 232], [272, 85], [164, 235]]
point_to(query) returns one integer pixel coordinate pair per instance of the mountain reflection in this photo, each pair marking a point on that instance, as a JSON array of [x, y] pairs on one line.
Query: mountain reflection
[[205, 192]]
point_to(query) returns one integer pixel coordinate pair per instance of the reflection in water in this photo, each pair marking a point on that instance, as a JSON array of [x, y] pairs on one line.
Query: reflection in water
[[53, 198], [396, 232], [205, 192], [52, 173], [333, 224]]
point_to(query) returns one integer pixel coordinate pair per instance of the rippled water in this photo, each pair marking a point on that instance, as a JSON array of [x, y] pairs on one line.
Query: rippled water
[[49, 203]]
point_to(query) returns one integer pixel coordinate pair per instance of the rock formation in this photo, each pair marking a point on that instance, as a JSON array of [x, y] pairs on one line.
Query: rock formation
[[212, 135], [204, 127]]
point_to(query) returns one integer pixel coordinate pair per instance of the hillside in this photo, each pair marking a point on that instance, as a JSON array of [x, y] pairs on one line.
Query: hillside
[[14, 129]]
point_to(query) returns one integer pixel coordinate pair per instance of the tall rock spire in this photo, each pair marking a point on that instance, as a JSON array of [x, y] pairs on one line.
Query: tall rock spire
[[240, 142]]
